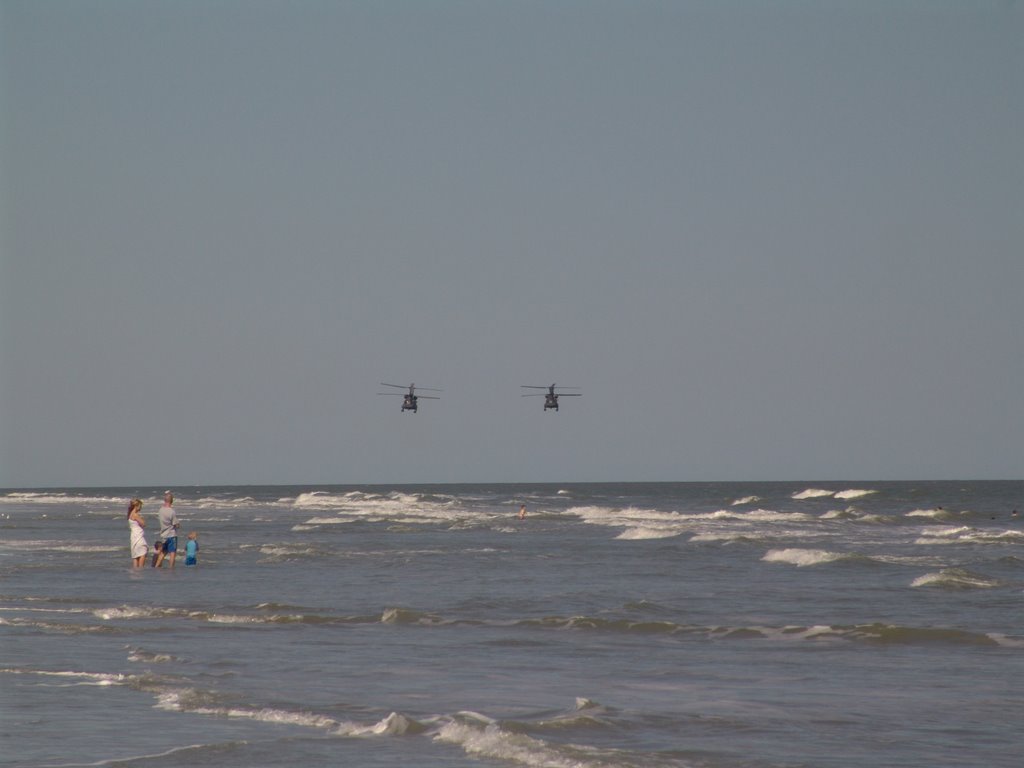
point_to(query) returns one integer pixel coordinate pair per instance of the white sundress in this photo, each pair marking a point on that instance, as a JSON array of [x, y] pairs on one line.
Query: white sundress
[[138, 544]]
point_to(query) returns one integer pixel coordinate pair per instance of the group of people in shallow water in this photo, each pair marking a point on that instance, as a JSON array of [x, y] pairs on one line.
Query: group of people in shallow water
[[166, 546]]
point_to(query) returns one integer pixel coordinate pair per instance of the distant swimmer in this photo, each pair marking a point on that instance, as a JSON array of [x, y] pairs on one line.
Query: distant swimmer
[[138, 544], [1014, 514], [522, 511]]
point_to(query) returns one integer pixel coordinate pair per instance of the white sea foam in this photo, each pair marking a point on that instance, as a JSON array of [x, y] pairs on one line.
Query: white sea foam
[[712, 537], [227, 618], [854, 493], [771, 516], [1008, 537], [130, 612], [812, 493], [665, 523], [51, 626], [935, 514], [945, 535], [280, 716], [395, 507], [674, 523], [802, 557], [955, 578], [968, 535], [138, 655], [834, 514], [405, 616], [237, 502], [59, 498], [322, 500], [753, 516], [797, 633], [1006, 641], [327, 520], [287, 550], [59, 545], [644, 532], [746, 500], [395, 724], [21, 609], [876, 519], [81, 678], [947, 531], [195, 702], [491, 742]]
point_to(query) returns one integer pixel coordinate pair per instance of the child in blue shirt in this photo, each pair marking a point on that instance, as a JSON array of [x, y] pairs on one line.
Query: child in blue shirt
[[191, 548]]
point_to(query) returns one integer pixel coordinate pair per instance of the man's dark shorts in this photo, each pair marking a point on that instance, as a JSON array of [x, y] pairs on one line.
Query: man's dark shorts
[[170, 545]]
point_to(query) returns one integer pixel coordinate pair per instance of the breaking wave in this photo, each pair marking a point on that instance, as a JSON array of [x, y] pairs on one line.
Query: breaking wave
[[139, 655], [43, 498], [967, 535], [412, 508], [936, 514], [198, 702], [69, 678], [854, 493], [803, 557], [821, 493], [643, 532], [489, 741], [659, 524], [956, 578], [812, 493]]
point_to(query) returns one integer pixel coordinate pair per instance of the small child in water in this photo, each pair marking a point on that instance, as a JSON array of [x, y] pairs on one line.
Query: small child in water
[[191, 548], [158, 547]]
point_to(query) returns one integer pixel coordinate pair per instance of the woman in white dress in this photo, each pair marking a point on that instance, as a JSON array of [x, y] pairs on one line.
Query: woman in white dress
[[138, 544]]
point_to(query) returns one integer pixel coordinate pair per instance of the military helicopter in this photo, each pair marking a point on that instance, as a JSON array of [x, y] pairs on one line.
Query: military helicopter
[[410, 398], [550, 397]]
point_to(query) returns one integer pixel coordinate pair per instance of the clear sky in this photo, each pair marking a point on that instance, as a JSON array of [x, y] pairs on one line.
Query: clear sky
[[769, 240]]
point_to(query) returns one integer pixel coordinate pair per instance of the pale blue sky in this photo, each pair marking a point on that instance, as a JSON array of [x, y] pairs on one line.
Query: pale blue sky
[[770, 240]]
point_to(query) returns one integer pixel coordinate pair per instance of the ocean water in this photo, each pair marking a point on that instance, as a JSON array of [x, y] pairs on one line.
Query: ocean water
[[647, 624]]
